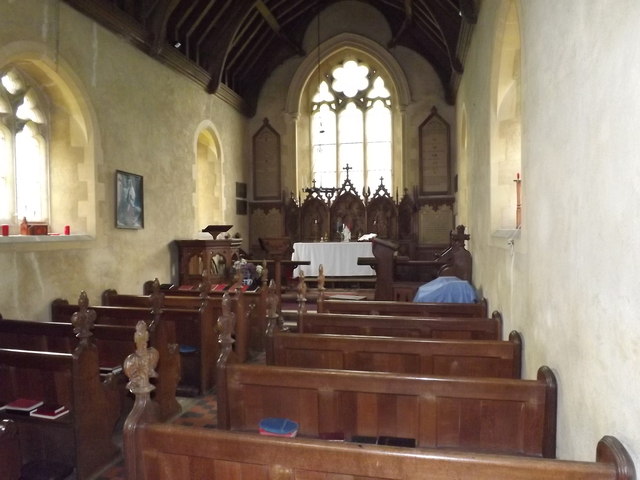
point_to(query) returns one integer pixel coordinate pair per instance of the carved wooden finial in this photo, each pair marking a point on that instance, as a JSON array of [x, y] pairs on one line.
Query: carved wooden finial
[[264, 275], [140, 365], [321, 278], [156, 299], [84, 318], [272, 300], [458, 236], [205, 283], [321, 287], [302, 296], [226, 326]]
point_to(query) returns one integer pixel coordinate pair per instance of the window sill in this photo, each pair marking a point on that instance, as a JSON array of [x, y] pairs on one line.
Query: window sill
[[507, 233], [33, 240], [506, 238]]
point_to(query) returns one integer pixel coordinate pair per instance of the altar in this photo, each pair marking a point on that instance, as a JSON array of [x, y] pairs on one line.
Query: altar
[[339, 259]]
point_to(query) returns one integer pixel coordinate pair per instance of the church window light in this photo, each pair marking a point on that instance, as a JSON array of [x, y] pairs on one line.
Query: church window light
[[351, 125], [23, 151]]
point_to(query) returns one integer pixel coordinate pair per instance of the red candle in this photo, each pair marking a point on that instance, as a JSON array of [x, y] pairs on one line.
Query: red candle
[[5, 230], [67, 230]]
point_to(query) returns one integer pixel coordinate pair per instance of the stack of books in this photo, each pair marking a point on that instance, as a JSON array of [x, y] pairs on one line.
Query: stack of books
[[35, 408], [50, 412], [278, 427], [21, 406]]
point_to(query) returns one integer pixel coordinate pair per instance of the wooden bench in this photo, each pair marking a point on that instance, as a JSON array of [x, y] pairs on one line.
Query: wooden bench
[[198, 338], [249, 308], [399, 326], [83, 437], [484, 414], [165, 452], [163, 338], [114, 343], [232, 455], [475, 358]]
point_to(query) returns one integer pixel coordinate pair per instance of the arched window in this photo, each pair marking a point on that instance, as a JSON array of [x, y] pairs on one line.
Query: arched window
[[24, 186], [506, 141], [351, 127]]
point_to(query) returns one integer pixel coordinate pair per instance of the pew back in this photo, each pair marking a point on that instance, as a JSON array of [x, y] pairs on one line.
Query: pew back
[[475, 358], [162, 338], [83, 437], [193, 453], [482, 414], [398, 326], [197, 335], [380, 307], [114, 342]]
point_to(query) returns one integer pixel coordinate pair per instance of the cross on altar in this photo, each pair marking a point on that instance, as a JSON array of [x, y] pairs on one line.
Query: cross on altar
[[347, 168]]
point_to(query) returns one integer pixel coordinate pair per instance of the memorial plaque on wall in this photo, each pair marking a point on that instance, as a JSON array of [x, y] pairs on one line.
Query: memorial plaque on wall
[[266, 163], [435, 171], [435, 225]]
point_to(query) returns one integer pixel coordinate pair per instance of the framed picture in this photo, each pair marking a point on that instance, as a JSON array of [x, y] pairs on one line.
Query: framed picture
[[129, 200]]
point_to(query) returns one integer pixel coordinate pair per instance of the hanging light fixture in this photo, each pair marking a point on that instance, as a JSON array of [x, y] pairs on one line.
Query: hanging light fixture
[[321, 127]]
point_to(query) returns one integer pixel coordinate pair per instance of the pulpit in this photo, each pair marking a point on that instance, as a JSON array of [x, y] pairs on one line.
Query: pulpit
[[193, 256]]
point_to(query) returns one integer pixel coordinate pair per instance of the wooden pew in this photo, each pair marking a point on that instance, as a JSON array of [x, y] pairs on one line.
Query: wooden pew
[[484, 414], [475, 358], [197, 337], [163, 338], [249, 308], [398, 326], [234, 456], [114, 343], [165, 452], [481, 414], [10, 456], [83, 437]]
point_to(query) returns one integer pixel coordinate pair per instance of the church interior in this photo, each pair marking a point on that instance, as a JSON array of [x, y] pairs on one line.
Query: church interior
[[133, 132]]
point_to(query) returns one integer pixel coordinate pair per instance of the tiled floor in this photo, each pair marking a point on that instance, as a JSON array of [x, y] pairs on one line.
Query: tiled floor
[[197, 412]]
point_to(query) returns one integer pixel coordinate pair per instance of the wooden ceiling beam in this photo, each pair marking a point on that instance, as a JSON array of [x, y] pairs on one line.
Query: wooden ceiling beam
[[158, 21], [273, 23], [408, 20], [469, 11], [219, 44]]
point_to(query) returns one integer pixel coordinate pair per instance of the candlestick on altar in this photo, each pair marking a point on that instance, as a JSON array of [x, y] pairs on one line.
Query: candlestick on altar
[[518, 182]]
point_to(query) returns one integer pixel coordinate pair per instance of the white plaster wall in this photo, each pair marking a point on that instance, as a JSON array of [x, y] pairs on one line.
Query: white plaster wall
[[570, 283], [146, 119]]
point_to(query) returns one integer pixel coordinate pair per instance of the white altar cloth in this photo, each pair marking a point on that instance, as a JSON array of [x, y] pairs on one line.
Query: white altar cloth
[[339, 259]]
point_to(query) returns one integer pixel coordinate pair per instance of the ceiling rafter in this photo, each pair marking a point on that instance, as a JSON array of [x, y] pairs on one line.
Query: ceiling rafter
[[220, 44], [241, 42], [408, 20], [277, 28], [158, 20]]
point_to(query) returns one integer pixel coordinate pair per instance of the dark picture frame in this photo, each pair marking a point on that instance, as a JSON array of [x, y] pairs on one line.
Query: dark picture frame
[[129, 200]]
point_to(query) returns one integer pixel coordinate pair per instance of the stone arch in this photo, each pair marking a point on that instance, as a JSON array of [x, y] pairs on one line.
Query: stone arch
[[208, 177]]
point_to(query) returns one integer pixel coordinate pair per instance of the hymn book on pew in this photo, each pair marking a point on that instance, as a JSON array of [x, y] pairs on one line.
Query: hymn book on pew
[[50, 412], [21, 406], [278, 427]]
